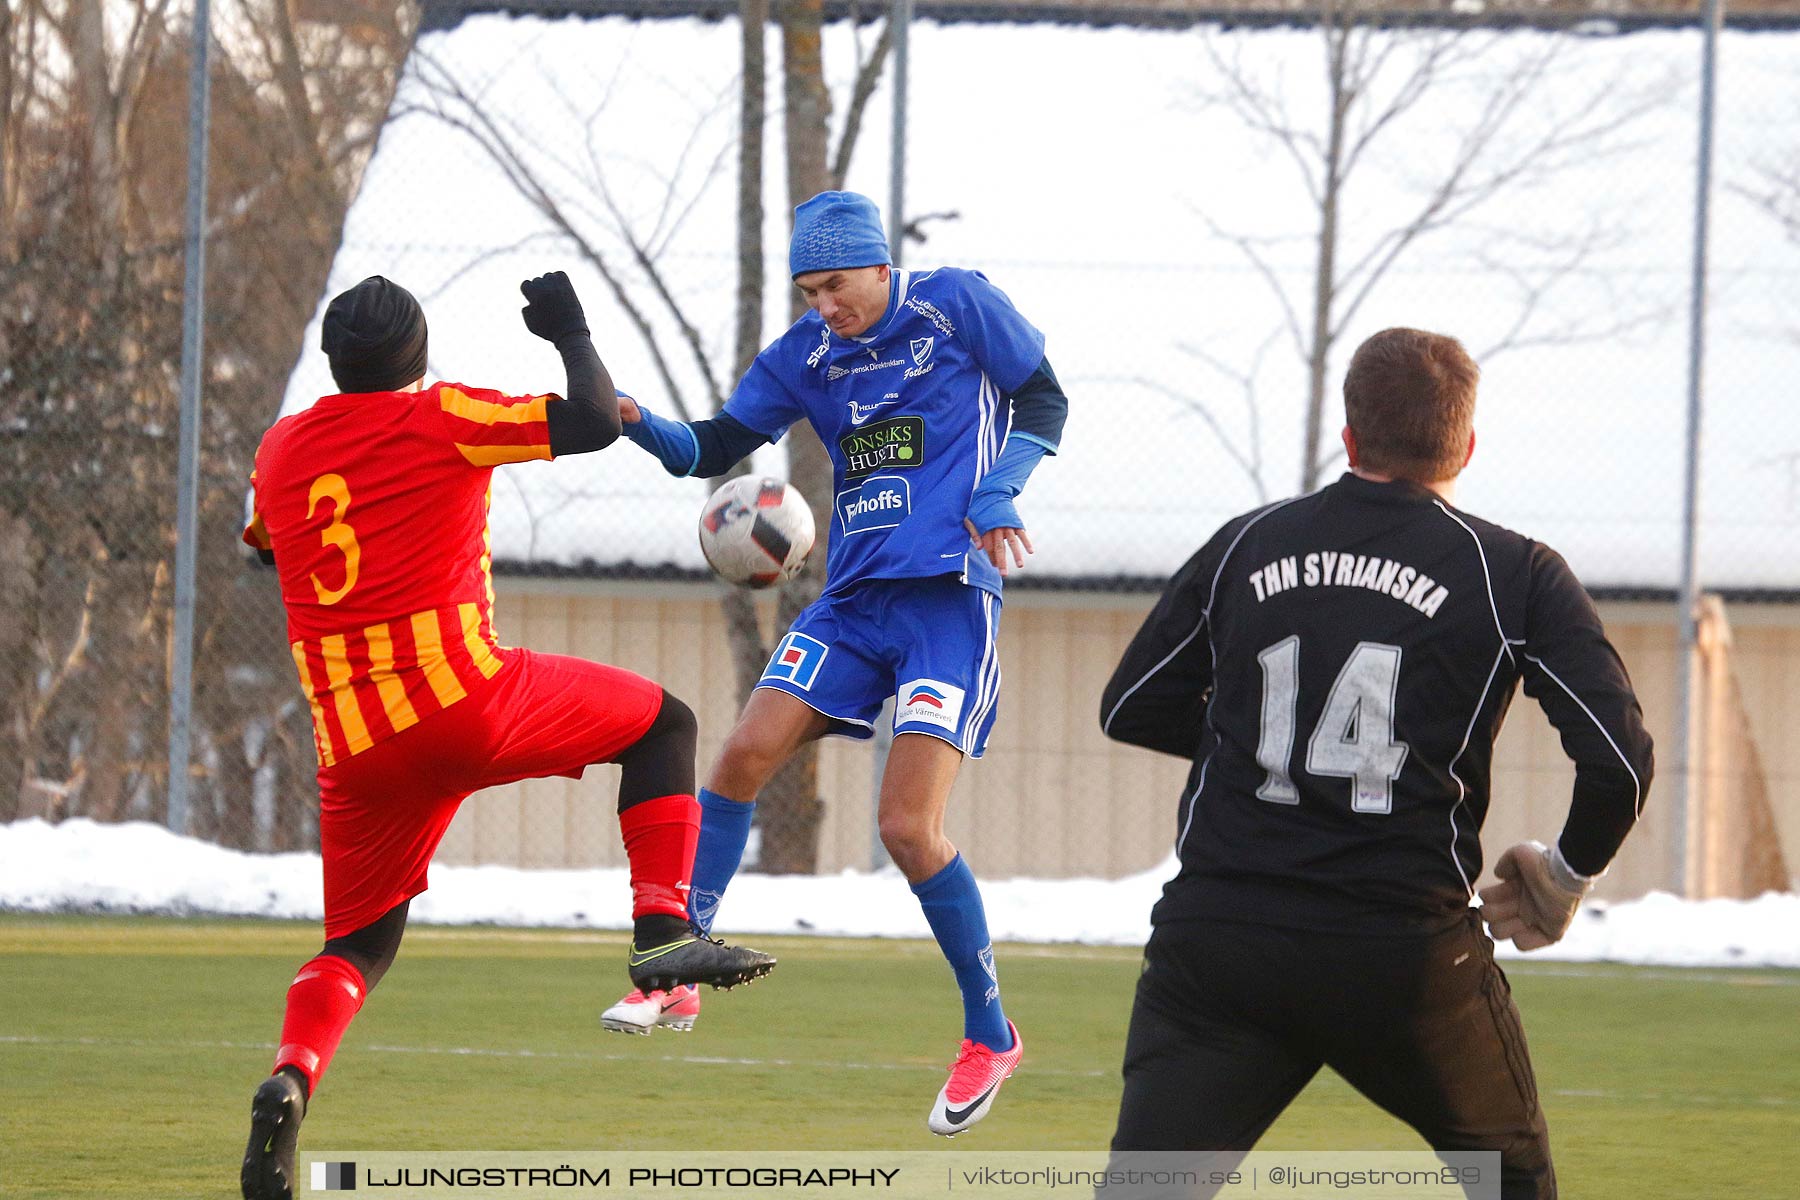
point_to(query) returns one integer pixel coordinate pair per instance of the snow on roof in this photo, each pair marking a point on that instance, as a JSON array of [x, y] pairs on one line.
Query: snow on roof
[[1092, 181]]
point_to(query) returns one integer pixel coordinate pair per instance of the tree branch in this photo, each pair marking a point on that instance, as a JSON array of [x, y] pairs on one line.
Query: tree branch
[[868, 75]]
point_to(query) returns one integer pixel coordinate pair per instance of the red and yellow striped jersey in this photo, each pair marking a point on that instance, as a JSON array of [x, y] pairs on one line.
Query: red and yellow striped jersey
[[376, 508]]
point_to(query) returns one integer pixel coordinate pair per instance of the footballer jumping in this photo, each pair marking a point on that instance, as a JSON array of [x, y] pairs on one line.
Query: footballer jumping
[[373, 507], [934, 401]]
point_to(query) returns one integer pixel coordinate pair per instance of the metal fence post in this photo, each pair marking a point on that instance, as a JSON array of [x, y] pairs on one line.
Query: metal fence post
[[181, 666], [901, 20], [1687, 599]]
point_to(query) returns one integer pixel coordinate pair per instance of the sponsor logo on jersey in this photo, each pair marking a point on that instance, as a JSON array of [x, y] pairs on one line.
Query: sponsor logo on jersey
[[797, 659], [896, 444], [881, 364], [1327, 568], [879, 502], [819, 351], [932, 313], [929, 702], [860, 413]]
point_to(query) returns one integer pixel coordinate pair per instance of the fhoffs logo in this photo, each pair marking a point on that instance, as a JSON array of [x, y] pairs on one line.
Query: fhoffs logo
[[334, 1177], [879, 502], [895, 444]]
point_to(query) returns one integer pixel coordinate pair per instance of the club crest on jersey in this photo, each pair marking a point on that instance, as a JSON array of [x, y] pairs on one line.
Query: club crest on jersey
[[921, 356], [797, 660], [930, 702]]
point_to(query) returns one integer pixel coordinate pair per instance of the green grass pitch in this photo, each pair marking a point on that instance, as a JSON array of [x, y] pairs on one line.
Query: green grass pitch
[[129, 1048]]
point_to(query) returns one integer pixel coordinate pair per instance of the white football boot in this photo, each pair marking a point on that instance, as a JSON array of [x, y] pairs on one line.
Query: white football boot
[[676, 1009], [975, 1079]]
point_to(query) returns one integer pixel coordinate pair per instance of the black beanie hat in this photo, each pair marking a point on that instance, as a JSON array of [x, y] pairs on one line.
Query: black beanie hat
[[374, 335]]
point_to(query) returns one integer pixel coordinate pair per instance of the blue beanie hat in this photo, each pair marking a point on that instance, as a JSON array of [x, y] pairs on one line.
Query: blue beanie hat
[[835, 230]]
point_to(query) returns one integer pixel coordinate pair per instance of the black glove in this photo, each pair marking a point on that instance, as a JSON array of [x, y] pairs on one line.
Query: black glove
[[552, 310]]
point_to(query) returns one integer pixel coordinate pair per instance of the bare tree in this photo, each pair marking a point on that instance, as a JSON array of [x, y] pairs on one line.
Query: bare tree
[[1777, 193], [790, 808], [753, 113], [92, 98], [579, 200], [1513, 136]]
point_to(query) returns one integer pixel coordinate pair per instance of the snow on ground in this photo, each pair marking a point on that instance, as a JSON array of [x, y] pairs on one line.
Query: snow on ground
[[141, 868]]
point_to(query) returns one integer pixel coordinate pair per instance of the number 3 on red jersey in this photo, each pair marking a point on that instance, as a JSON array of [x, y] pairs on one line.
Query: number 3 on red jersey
[[338, 533]]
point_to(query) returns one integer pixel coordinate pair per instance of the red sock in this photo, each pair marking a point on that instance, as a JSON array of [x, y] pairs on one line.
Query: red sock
[[660, 836], [321, 1001]]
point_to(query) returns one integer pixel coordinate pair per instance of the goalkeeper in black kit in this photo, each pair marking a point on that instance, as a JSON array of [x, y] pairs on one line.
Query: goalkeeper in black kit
[[1337, 666]]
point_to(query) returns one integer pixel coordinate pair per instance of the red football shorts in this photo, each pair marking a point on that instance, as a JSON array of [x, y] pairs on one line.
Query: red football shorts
[[383, 812]]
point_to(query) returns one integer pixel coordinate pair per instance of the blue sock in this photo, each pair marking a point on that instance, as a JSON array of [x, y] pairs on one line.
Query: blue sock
[[952, 905], [724, 828]]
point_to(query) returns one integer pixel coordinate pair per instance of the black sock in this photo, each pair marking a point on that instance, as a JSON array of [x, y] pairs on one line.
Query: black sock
[[658, 929], [299, 1078]]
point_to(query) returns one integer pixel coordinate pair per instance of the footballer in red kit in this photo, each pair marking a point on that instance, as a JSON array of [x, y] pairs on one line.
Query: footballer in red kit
[[373, 507]]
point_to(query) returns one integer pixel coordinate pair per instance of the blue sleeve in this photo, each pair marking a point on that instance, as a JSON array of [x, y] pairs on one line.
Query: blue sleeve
[[672, 442], [1006, 345], [762, 400], [991, 507], [703, 448]]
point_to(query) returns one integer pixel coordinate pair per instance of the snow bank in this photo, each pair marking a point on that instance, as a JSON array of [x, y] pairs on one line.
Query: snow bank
[[83, 866]]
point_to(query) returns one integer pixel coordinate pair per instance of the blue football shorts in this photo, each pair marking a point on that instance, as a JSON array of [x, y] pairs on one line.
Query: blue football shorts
[[929, 643]]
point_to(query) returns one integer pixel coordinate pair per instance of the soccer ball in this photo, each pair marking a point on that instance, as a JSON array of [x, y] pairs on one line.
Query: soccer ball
[[756, 531]]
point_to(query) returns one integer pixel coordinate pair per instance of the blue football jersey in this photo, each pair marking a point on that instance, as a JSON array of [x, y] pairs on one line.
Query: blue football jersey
[[913, 414]]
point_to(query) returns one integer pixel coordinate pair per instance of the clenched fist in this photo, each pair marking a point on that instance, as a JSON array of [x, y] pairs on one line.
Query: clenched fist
[[552, 310]]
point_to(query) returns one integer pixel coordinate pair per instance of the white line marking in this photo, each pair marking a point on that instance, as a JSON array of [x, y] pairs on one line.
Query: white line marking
[[710, 1060], [724, 1061]]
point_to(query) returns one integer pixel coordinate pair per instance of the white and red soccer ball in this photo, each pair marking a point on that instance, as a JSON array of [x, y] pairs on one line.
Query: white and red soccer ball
[[755, 531]]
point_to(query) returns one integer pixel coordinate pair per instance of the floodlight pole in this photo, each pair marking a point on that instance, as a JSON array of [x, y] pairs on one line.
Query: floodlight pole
[[187, 495], [1685, 843], [900, 20]]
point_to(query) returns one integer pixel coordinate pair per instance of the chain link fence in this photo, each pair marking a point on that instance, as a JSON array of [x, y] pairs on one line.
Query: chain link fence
[[1204, 221], [94, 117]]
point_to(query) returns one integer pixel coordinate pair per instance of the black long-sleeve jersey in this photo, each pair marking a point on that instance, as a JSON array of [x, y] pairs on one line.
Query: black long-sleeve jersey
[[1337, 666]]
